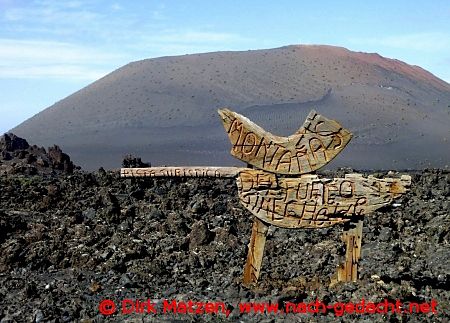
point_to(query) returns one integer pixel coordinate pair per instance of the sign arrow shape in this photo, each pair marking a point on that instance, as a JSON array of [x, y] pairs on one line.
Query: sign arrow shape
[[313, 146]]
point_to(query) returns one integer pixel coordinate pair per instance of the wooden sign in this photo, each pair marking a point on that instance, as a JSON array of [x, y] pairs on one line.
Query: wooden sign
[[312, 202], [185, 171], [280, 191], [315, 144]]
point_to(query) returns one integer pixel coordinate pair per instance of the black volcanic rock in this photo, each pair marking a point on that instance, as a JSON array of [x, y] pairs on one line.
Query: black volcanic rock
[[18, 157], [59, 160], [10, 142], [165, 109], [200, 235], [93, 240], [130, 161]]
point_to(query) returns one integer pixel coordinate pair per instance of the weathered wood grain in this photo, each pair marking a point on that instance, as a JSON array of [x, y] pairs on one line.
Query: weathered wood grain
[[352, 236], [312, 202], [185, 171], [255, 253], [315, 144]]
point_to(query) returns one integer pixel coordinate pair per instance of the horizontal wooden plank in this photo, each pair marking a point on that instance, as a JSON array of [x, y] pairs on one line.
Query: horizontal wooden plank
[[309, 201], [182, 171]]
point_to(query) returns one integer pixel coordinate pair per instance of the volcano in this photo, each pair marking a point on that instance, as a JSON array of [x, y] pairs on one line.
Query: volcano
[[165, 109]]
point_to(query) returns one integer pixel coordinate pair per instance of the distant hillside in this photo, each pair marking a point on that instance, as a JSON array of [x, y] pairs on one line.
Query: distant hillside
[[164, 109]]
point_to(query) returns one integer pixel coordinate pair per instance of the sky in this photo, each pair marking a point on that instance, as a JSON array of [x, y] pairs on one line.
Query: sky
[[51, 49]]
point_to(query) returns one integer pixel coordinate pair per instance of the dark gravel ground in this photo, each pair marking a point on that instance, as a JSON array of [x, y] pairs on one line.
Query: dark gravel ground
[[69, 241]]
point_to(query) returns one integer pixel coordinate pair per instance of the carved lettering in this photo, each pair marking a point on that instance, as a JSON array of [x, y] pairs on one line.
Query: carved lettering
[[331, 192], [284, 162], [309, 201], [313, 146], [346, 189], [181, 172], [249, 143]]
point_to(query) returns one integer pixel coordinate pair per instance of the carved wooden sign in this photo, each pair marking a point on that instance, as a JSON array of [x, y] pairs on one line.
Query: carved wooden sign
[[316, 143], [280, 191], [181, 172], [312, 202]]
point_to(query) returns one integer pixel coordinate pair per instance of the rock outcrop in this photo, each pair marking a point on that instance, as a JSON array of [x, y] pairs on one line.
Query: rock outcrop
[[18, 157]]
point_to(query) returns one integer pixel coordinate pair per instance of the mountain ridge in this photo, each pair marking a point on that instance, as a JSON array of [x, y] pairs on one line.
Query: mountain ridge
[[164, 108]]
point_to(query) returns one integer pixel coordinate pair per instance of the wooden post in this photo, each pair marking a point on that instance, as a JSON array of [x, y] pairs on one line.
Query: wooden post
[[348, 271], [255, 251]]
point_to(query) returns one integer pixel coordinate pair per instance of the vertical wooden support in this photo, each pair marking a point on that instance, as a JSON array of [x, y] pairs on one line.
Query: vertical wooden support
[[348, 271], [255, 254]]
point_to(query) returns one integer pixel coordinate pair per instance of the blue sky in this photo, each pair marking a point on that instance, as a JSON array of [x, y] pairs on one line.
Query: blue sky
[[50, 49]]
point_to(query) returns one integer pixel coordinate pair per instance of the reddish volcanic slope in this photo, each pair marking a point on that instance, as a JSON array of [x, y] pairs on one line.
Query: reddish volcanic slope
[[164, 109]]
